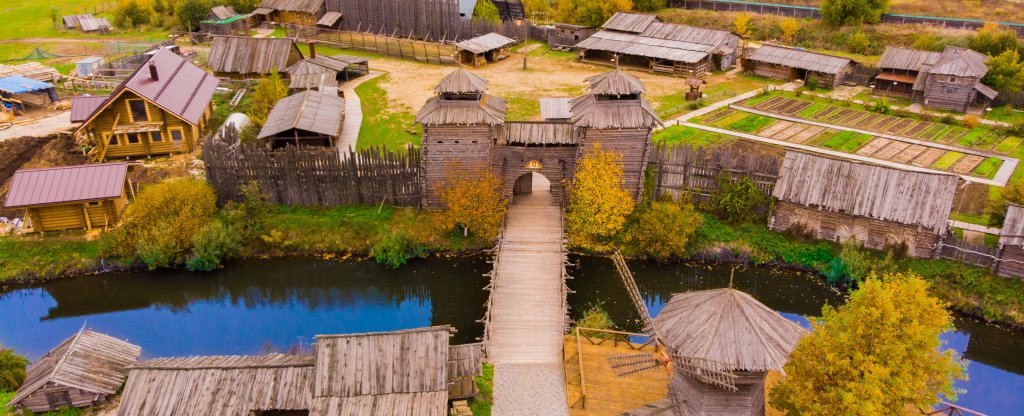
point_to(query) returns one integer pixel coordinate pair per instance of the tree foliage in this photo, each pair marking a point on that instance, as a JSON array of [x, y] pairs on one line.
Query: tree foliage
[[789, 27], [190, 12], [1012, 193], [486, 10], [873, 356], [1005, 72], [132, 14], [741, 25], [475, 202], [590, 12], [12, 370], [266, 93], [663, 229], [993, 39], [859, 42], [54, 15], [851, 12], [649, 5], [738, 200], [598, 204], [244, 6], [532, 7]]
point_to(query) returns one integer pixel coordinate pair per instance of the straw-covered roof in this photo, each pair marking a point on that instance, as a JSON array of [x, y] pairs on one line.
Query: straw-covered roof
[[589, 111], [798, 58], [218, 385], [527, 132], [310, 111], [89, 361], [1013, 226], [488, 110], [485, 43], [727, 326], [461, 81], [615, 83], [882, 193]]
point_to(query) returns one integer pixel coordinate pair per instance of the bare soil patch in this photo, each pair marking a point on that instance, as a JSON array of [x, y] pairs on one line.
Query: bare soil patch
[[32, 153]]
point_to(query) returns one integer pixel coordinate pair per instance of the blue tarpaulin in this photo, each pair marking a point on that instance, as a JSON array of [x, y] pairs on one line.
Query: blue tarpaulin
[[11, 86]]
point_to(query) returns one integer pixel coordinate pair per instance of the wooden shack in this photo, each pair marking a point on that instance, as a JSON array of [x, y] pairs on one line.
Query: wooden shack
[[643, 41], [325, 73], [71, 197], [480, 50], [224, 20], [565, 36], [162, 108], [84, 370], [17, 91], [788, 64], [949, 80], [272, 384], [295, 12], [879, 207], [726, 330], [243, 57], [306, 119], [1010, 258], [87, 23]]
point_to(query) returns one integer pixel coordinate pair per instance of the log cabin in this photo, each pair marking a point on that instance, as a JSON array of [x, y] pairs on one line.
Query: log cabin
[[243, 57], [788, 64], [162, 108], [295, 12], [948, 80], [306, 119], [566, 36], [84, 370], [71, 197], [879, 207]]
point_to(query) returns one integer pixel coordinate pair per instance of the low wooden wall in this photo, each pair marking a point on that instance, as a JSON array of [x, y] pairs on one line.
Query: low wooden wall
[[698, 172], [837, 227], [437, 53]]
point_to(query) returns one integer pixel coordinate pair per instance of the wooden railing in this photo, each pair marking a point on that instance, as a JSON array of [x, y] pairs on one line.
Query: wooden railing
[[949, 409]]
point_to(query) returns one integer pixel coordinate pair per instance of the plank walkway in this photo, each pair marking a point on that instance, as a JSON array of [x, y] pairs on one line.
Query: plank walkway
[[353, 113], [526, 314]]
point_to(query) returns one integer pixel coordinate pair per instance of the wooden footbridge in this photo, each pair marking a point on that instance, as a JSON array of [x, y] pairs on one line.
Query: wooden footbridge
[[526, 314]]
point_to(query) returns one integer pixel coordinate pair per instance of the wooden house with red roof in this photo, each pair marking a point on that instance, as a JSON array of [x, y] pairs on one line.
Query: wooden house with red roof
[[162, 108], [70, 197]]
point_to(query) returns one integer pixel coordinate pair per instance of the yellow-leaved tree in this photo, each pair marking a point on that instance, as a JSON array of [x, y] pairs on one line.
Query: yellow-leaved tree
[[741, 26], [663, 229], [789, 26], [475, 202], [266, 93], [598, 204], [590, 12], [875, 355]]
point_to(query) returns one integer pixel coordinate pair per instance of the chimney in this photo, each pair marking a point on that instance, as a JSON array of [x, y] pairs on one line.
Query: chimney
[[312, 49], [152, 72]]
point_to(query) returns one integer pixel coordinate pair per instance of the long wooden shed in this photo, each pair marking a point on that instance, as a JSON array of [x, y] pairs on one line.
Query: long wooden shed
[[84, 370], [950, 80], [1010, 260], [71, 197], [241, 57], [787, 64], [307, 119], [297, 12]]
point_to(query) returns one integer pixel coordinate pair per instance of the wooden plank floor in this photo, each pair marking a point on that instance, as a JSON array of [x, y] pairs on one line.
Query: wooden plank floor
[[527, 315], [608, 394]]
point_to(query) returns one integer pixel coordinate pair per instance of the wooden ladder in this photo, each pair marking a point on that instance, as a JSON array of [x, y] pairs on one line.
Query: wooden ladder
[[633, 290], [237, 98]]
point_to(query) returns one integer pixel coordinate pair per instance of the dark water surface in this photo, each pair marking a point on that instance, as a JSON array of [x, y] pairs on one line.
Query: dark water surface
[[259, 305]]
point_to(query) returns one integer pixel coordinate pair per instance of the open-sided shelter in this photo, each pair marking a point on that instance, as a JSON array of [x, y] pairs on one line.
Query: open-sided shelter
[[297, 12], [787, 64], [160, 109], [949, 80], [876, 206], [34, 70], [84, 370], [727, 330], [241, 57], [70, 197], [480, 50], [644, 41], [16, 91], [307, 119]]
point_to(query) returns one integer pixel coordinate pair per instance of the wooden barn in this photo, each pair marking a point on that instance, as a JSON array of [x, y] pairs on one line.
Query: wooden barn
[[296, 12], [272, 384], [162, 108], [642, 41], [84, 370], [307, 119], [325, 73], [948, 80], [243, 57], [1010, 259], [876, 206], [87, 23], [730, 331], [788, 64], [224, 20], [480, 50], [566, 36], [70, 197]]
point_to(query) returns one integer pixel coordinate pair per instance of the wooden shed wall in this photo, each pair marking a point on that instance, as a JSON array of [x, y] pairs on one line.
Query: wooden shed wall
[[463, 150], [1011, 261], [58, 217], [37, 403], [940, 92], [707, 400], [632, 144], [874, 234], [118, 112], [787, 73]]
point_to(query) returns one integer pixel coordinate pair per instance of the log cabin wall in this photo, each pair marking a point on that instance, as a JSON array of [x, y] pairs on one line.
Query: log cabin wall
[[37, 402], [170, 127], [949, 92], [1011, 261], [461, 150], [707, 400], [77, 215], [558, 165], [632, 144]]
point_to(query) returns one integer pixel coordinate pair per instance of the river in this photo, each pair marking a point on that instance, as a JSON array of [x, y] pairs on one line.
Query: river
[[281, 304]]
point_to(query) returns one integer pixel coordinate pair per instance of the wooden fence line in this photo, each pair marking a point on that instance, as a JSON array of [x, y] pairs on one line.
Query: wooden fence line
[[327, 177], [382, 44], [699, 171]]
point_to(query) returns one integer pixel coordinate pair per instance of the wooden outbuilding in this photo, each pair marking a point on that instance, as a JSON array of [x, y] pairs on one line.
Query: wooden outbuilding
[[565, 36], [306, 119], [949, 80], [325, 73], [162, 108], [84, 370], [1010, 258], [87, 23], [788, 64], [643, 41], [297, 12], [728, 331], [18, 91], [480, 50], [71, 197], [879, 207], [224, 20], [243, 57]]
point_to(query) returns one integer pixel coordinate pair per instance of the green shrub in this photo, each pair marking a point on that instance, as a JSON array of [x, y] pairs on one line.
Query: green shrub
[[662, 230], [214, 243], [811, 84], [481, 404], [881, 106], [394, 249], [132, 14], [595, 317], [12, 370], [859, 43], [738, 200]]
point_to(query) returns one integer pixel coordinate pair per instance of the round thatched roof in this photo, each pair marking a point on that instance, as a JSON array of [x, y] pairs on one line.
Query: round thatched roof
[[727, 326], [615, 83], [461, 82]]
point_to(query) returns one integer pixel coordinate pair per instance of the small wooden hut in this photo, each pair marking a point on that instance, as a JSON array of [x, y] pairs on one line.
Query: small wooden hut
[[296, 12], [84, 370], [70, 197], [87, 23], [730, 331], [879, 207], [949, 80], [325, 73], [565, 36], [224, 20], [787, 64], [480, 50], [1010, 259], [243, 57], [306, 119]]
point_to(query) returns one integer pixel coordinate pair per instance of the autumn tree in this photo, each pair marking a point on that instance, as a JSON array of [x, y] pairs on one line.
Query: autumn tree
[[486, 10], [12, 369], [1005, 72], [741, 25], [852, 12], [266, 93], [875, 355], [598, 204], [590, 12], [1012, 193], [532, 7], [993, 39], [475, 202], [663, 229], [789, 26]]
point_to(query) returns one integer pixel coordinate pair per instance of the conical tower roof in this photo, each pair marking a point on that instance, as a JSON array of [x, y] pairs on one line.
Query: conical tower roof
[[461, 82], [615, 83], [727, 326]]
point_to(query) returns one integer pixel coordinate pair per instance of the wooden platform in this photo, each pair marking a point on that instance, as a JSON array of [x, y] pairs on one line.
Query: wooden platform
[[527, 310], [606, 393]]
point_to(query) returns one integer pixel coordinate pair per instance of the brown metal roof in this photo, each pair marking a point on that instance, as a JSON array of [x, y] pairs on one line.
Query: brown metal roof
[[312, 111], [83, 106], [245, 55], [797, 58], [182, 89], [32, 187]]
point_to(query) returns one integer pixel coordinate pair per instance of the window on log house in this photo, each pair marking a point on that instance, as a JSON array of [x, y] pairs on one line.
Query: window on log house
[[156, 137], [133, 138], [138, 109], [58, 399]]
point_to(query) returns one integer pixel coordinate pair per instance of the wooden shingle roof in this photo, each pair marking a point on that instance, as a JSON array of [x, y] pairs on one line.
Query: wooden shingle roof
[[615, 83], [304, 6], [960, 62], [488, 110], [906, 59], [485, 43], [246, 55], [461, 81], [88, 361], [311, 111], [886, 194], [544, 133], [630, 22], [589, 111], [221, 12], [797, 58], [555, 108], [727, 326], [1013, 226]]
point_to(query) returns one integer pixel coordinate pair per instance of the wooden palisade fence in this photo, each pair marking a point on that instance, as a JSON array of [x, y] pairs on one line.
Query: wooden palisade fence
[[699, 171], [327, 177]]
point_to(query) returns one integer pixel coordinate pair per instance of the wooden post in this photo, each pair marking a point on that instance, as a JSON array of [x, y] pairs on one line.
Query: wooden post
[[85, 215]]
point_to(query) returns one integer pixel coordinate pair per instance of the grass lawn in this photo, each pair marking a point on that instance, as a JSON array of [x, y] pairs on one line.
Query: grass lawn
[[866, 97], [674, 104], [751, 123], [49, 255], [947, 160], [1006, 114], [970, 218], [988, 167], [520, 108], [683, 135], [481, 404], [381, 124]]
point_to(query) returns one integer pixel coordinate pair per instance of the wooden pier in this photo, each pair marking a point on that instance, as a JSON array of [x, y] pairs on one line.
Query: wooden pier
[[526, 317]]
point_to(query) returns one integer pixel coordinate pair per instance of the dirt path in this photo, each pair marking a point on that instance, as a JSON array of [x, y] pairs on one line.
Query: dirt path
[[42, 127]]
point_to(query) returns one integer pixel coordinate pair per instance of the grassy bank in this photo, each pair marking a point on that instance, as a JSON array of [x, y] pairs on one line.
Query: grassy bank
[[381, 124]]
